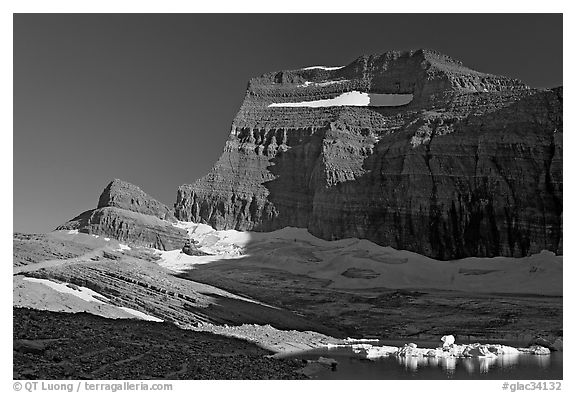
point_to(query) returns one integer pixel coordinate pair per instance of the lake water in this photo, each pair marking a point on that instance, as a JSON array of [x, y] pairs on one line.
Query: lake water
[[513, 367]]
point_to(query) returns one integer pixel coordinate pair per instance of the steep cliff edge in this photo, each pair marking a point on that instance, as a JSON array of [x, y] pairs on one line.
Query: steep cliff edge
[[408, 149], [127, 213]]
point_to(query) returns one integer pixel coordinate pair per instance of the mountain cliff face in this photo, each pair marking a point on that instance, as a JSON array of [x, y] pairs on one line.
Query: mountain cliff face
[[127, 213], [407, 149]]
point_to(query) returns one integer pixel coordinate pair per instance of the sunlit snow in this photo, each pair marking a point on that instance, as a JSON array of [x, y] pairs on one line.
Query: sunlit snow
[[321, 84], [352, 98], [322, 68], [81, 292], [88, 295], [343, 262]]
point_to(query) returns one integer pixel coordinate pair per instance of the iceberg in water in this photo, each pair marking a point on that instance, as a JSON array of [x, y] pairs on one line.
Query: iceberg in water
[[449, 349]]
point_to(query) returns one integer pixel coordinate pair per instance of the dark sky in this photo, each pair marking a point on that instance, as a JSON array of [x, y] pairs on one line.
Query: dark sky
[[150, 98]]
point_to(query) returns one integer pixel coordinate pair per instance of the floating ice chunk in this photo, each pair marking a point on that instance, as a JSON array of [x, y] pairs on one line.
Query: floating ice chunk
[[535, 350], [107, 239], [503, 349], [73, 232], [476, 351], [448, 340], [352, 98], [380, 352], [481, 351]]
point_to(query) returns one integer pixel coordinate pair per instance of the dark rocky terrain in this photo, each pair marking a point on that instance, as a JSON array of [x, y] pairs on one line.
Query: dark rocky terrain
[[472, 166], [49, 345], [398, 314]]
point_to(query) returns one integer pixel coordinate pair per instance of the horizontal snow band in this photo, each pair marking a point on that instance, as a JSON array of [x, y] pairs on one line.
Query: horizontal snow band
[[352, 98]]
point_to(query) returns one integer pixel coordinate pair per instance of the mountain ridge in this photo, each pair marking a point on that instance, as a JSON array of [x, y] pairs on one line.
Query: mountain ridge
[[471, 166], [291, 166]]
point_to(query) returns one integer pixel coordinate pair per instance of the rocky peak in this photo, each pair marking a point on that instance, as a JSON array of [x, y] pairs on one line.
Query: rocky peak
[[469, 165], [427, 74], [128, 214], [127, 196]]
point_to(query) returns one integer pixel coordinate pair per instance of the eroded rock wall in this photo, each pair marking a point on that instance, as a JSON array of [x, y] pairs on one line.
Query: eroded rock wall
[[471, 167]]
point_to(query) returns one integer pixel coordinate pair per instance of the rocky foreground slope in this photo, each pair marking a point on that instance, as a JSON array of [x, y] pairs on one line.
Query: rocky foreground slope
[[49, 345], [407, 149]]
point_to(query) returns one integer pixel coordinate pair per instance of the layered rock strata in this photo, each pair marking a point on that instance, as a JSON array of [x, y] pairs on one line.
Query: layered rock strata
[[126, 196], [127, 213], [470, 166]]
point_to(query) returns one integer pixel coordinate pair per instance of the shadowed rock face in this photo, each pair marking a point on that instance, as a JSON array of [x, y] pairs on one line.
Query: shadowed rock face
[[127, 213], [472, 166]]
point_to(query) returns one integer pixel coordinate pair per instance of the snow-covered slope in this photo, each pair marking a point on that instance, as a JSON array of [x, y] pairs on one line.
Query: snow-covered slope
[[355, 263], [56, 296]]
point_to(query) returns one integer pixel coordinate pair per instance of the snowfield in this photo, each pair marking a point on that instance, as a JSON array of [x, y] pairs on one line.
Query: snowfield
[[220, 244], [85, 294], [359, 263], [352, 98]]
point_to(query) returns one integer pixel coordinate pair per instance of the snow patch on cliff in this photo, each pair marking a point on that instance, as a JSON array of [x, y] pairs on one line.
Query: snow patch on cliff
[[351, 98], [322, 68], [321, 84]]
